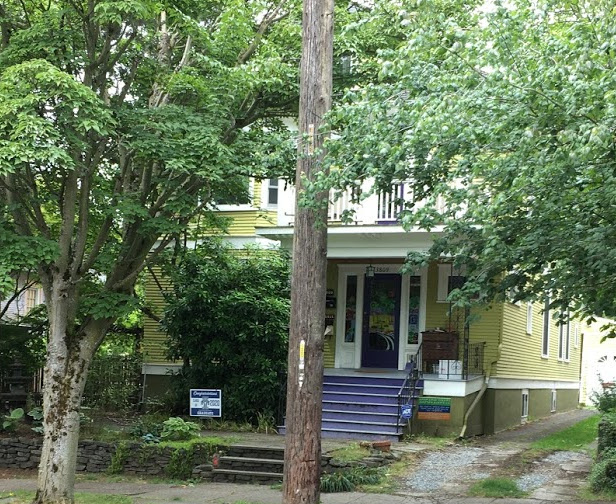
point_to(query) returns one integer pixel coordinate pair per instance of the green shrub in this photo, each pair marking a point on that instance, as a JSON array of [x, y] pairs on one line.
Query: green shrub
[[118, 458], [227, 320], [606, 400], [147, 425], [11, 420], [603, 473], [181, 463], [177, 429], [347, 481], [607, 432]]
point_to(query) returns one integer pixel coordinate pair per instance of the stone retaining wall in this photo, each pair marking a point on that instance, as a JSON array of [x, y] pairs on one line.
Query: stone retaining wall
[[97, 456], [153, 460]]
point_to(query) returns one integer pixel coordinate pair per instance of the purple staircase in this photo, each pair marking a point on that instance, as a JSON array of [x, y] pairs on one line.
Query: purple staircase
[[366, 406]]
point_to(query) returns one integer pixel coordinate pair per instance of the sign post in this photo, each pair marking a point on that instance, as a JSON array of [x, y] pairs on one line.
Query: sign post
[[206, 403]]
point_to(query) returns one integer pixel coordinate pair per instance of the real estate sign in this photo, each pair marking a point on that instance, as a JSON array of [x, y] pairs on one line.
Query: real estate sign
[[434, 408], [206, 403]]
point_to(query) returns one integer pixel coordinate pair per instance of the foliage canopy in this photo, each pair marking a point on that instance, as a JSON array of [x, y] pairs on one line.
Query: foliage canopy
[[506, 112]]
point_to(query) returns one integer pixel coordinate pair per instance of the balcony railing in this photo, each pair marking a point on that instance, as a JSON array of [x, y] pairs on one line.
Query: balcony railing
[[348, 208], [445, 357]]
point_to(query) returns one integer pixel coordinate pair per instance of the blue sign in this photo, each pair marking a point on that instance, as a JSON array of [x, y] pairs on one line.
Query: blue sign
[[206, 403], [406, 411]]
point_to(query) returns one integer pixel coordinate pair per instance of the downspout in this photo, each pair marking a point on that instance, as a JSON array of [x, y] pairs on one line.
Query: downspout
[[484, 386]]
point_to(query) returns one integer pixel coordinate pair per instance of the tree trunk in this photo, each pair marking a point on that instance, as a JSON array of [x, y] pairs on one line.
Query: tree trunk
[[68, 359], [302, 469]]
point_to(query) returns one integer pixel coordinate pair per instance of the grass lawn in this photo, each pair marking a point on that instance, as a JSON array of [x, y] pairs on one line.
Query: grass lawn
[[25, 497], [588, 495], [350, 453], [574, 438], [496, 487]]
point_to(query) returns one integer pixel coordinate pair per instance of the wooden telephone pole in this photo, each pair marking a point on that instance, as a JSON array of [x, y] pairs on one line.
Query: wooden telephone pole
[[302, 467]]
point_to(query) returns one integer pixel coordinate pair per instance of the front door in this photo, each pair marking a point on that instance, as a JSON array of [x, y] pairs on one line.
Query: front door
[[381, 321]]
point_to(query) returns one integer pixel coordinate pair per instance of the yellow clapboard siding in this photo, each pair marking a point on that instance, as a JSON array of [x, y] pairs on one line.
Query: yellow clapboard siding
[[521, 352], [485, 326], [154, 346], [256, 193]]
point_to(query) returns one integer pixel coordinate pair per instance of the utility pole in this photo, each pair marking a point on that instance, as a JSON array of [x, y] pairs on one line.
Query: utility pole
[[302, 461]]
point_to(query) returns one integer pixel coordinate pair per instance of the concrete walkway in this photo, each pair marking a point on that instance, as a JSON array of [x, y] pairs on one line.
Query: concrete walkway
[[559, 489], [230, 493]]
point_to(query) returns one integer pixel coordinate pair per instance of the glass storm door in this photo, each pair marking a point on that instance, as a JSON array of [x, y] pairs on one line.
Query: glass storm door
[[381, 321]]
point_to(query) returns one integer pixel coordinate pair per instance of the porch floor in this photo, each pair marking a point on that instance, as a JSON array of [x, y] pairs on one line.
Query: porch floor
[[375, 372]]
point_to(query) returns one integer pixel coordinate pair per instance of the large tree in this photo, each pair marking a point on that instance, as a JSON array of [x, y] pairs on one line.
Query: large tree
[[502, 116], [119, 123]]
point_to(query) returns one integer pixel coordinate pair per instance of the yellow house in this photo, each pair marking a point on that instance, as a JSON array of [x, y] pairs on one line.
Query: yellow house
[[243, 222], [396, 350]]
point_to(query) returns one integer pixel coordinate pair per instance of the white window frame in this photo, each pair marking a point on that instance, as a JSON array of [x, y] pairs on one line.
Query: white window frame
[[553, 401], [525, 400], [576, 335], [564, 341], [568, 340], [268, 185], [444, 273], [529, 318], [545, 330]]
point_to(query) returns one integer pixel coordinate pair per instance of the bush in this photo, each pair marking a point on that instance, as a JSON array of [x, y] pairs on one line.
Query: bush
[[176, 429], [607, 433], [603, 473], [606, 400], [227, 321], [147, 425], [347, 481], [10, 421]]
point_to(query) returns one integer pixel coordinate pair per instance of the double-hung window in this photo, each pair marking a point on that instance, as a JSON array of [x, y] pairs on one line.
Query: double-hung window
[[545, 339]]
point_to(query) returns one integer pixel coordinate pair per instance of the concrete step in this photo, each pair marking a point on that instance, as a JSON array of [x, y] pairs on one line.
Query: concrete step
[[252, 465], [255, 452], [239, 476], [350, 425]]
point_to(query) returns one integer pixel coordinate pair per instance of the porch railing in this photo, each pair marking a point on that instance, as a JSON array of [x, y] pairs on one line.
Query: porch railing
[[449, 358], [475, 358]]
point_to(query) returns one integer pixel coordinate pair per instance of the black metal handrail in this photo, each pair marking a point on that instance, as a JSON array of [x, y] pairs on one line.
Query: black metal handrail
[[408, 387]]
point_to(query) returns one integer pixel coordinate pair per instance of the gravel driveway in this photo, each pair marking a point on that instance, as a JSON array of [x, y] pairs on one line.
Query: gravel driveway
[[453, 469]]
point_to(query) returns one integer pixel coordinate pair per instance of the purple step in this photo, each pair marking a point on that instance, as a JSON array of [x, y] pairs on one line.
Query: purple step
[[349, 425], [362, 388], [359, 416], [362, 434], [360, 397], [365, 435], [361, 407], [363, 379]]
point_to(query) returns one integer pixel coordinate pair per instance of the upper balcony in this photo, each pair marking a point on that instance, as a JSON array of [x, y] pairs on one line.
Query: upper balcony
[[382, 208]]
